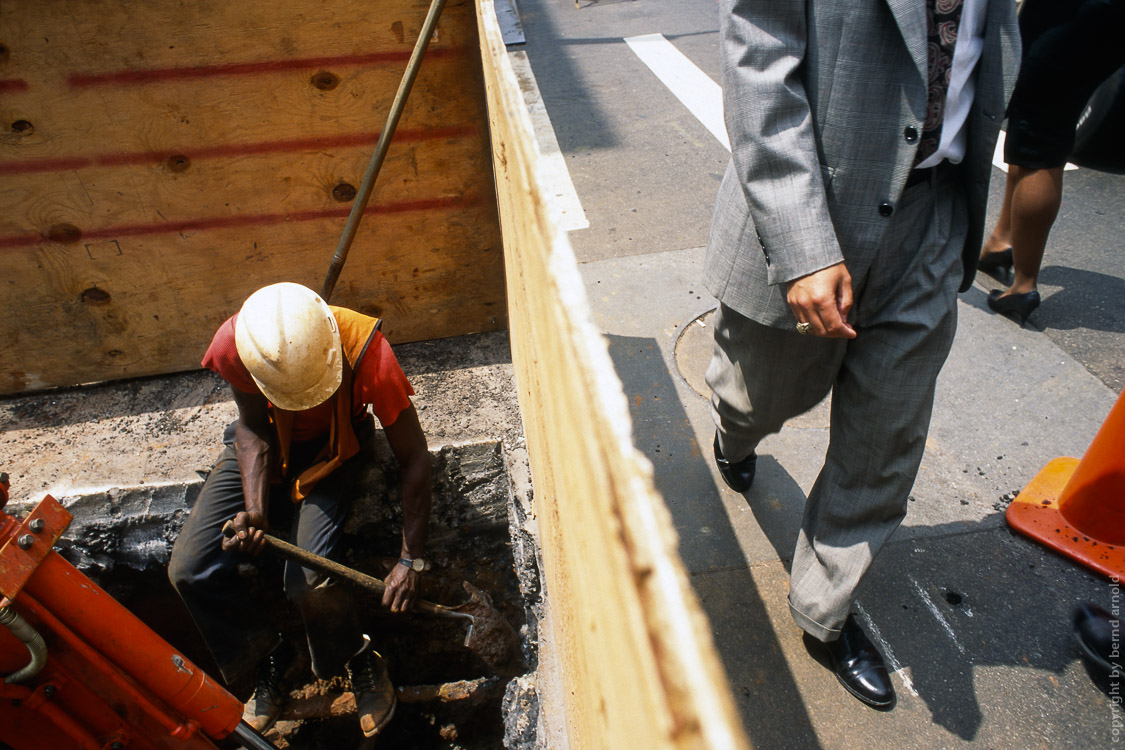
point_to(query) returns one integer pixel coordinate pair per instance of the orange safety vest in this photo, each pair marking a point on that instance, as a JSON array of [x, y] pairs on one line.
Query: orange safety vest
[[356, 333]]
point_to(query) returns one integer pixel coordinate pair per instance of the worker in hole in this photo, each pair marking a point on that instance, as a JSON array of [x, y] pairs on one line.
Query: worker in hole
[[303, 375]]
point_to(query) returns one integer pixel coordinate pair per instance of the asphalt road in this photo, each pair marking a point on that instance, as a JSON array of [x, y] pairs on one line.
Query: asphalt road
[[646, 170]]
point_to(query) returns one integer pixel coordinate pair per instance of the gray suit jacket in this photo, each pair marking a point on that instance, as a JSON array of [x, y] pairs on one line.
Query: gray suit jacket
[[818, 95]]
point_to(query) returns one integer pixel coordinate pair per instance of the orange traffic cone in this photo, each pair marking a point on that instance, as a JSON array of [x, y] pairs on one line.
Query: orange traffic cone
[[1078, 507]]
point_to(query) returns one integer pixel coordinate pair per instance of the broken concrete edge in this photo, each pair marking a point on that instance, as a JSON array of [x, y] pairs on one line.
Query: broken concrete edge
[[534, 707], [137, 524]]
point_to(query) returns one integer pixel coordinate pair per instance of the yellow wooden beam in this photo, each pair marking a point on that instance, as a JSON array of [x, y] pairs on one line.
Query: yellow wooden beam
[[639, 667]]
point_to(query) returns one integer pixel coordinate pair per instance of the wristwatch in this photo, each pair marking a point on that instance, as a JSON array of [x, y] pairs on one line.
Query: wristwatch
[[417, 564]]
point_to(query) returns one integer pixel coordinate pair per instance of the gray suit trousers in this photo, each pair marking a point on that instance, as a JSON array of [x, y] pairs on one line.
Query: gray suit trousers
[[882, 385]]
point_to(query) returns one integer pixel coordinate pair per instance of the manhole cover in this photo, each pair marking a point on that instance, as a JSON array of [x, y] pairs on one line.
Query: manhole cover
[[693, 350]]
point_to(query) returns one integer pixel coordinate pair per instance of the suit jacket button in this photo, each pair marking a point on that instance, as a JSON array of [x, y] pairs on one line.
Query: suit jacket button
[[910, 134], [886, 209]]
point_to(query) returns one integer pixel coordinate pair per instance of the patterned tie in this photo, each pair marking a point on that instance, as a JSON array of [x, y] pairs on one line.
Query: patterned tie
[[942, 20]]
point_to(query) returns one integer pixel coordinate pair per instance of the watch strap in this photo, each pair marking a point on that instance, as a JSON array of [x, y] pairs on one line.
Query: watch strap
[[417, 564]]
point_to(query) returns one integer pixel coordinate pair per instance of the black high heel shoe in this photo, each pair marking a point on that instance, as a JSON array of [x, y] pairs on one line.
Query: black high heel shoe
[[995, 261], [1019, 305]]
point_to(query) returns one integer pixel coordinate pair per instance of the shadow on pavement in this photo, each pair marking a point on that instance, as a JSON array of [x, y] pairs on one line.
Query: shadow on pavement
[[1084, 300], [976, 618], [1087, 299], [586, 125], [771, 707], [970, 597]]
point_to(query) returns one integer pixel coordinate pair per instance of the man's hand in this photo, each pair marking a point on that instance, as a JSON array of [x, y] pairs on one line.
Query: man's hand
[[402, 589], [249, 533], [823, 300]]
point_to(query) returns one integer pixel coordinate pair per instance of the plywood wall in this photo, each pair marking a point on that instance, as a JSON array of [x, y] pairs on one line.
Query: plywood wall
[[639, 667], [160, 160]]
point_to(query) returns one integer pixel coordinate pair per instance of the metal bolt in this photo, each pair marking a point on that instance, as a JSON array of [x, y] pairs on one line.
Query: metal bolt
[[49, 690], [325, 81], [117, 746], [95, 296], [26, 541], [177, 163], [63, 233], [343, 192], [37, 525]]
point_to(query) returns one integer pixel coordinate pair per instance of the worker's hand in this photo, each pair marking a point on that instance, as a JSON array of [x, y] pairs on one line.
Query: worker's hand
[[402, 589], [249, 533], [823, 299]]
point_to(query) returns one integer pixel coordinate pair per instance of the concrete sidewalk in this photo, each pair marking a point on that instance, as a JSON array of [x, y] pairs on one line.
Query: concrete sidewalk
[[974, 619]]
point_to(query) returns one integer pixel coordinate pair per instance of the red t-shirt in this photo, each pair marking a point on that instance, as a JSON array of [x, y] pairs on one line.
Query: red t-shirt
[[379, 381]]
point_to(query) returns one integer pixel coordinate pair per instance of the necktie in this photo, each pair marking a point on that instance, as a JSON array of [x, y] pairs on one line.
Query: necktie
[[942, 19]]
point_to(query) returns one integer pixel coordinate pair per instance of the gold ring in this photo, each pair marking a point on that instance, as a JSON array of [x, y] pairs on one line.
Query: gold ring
[[804, 328]]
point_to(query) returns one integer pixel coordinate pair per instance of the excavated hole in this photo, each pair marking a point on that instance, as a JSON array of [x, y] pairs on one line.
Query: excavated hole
[[449, 697]]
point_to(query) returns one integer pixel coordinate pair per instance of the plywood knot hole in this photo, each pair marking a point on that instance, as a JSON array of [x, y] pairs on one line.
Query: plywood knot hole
[[343, 192], [5, 53], [23, 127], [324, 80], [114, 353], [95, 296], [177, 163], [66, 234]]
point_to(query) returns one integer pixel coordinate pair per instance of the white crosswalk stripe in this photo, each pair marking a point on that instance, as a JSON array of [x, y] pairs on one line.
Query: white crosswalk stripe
[[694, 88]]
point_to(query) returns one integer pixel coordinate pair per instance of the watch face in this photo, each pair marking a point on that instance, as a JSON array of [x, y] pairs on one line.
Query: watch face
[[418, 565]]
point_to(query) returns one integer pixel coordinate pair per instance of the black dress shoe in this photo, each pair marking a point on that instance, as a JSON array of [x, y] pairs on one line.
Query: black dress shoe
[[1018, 305], [1094, 629], [859, 667], [995, 261], [739, 475]]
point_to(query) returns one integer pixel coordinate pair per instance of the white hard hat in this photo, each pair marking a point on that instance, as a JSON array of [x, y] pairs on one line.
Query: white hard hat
[[289, 341]]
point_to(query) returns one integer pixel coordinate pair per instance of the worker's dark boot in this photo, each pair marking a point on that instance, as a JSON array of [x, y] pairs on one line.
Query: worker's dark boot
[[276, 677], [371, 685]]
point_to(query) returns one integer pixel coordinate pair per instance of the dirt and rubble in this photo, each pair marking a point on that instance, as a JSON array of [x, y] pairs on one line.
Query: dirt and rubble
[[128, 460]]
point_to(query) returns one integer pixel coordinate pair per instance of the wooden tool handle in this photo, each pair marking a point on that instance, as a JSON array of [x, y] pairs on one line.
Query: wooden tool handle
[[324, 565]]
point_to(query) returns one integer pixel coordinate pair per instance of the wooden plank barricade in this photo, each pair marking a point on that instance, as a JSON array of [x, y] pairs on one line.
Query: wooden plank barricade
[[638, 664], [161, 160]]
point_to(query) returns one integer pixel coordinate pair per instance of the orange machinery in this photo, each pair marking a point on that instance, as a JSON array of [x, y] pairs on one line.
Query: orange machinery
[[81, 671]]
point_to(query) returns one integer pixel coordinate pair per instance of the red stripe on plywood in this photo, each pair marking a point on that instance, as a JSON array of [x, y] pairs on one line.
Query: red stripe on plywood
[[10, 85], [156, 75], [244, 220], [32, 166], [65, 164]]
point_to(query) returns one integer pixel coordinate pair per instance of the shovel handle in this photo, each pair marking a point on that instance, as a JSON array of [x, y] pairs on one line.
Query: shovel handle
[[324, 565]]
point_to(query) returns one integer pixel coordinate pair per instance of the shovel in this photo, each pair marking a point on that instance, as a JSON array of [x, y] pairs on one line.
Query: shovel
[[489, 635]]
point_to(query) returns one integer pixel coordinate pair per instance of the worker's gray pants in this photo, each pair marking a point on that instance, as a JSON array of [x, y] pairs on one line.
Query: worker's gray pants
[[220, 600], [882, 385]]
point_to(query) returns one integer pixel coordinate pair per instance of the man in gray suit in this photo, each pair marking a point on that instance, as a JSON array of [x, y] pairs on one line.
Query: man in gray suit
[[850, 215]]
